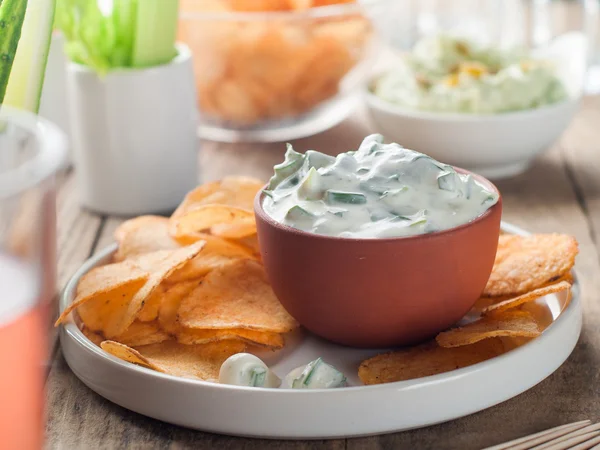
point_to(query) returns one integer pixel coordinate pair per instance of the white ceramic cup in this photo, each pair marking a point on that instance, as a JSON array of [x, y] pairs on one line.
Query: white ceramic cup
[[135, 145]]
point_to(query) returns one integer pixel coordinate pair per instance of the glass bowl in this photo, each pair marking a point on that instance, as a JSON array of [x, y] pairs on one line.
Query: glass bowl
[[278, 75]]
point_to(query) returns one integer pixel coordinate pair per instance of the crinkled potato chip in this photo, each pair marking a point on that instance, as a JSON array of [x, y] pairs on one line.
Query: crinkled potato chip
[[235, 296], [233, 191], [221, 220], [524, 263], [104, 284], [260, 338], [167, 314], [216, 253], [191, 361], [92, 336], [506, 324], [528, 297], [160, 265], [145, 234], [425, 360], [149, 311], [126, 353], [142, 333]]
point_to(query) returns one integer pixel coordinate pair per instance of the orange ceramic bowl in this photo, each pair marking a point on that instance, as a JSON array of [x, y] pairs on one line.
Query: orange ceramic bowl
[[379, 292]]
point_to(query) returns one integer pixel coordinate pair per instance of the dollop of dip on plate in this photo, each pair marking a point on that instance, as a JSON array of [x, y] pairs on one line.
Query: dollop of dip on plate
[[316, 374], [379, 191], [245, 369], [449, 74]]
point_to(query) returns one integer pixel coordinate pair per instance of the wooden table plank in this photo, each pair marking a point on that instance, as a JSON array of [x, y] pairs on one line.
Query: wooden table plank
[[544, 200]]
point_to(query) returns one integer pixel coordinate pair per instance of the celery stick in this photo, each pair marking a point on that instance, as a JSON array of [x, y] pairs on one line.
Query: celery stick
[[27, 76], [12, 16], [124, 19], [156, 30]]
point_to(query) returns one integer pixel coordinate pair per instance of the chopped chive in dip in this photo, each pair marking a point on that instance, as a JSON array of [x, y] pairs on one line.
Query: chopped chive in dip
[[378, 191]]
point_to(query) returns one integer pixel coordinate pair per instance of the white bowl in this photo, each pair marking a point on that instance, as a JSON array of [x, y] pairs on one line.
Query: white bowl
[[495, 145]]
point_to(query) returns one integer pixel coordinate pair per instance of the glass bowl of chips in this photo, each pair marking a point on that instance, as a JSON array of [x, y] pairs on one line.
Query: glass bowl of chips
[[273, 70]]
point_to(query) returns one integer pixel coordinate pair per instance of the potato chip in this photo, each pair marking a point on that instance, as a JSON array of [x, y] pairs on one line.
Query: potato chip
[[216, 253], [251, 244], [145, 234], [260, 338], [528, 297], [142, 333], [160, 265], [126, 353], [235, 296], [508, 323], [233, 190], [105, 283], [221, 220], [524, 263], [167, 314], [92, 336], [149, 311], [259, 5], [191, 361], [425, 360]]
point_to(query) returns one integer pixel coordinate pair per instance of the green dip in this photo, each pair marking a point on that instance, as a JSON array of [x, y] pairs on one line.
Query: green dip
[[446, 74], [379, 191]]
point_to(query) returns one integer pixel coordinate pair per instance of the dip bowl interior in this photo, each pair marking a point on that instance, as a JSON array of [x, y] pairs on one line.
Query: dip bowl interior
[[375, 293]]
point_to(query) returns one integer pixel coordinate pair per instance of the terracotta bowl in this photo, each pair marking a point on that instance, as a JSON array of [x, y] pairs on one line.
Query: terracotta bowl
[[379, 292]]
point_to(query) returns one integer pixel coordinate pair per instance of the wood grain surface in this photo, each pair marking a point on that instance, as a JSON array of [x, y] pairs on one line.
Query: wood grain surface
[[560, 193]]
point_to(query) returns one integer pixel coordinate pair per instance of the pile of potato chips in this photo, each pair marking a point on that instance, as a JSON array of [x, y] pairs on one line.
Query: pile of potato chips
[[248, 71], [184, 293], [526, 268]]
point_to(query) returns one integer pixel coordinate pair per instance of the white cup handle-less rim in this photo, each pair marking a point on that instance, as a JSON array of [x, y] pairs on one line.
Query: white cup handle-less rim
[[134, 136]]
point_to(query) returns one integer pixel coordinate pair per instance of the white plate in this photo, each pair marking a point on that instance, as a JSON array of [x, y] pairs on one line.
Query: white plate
[[353, 411]]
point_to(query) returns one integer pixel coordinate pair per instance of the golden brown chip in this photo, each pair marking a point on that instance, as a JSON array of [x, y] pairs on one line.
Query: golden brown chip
[[260, 338], [126, 353], [160, 265], [142, 333], [216, 253], [524, 263], [145, 234], [221, 220], [149, 311], [192, 361], [106, 283], [425, 360], [528, 297], [509, 323], [92, 336], [167, 314], [236, 191], [235, 296]]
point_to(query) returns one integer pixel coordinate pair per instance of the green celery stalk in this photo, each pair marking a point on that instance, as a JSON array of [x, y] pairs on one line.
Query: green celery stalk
[[131, 33], [26, 79], [156, 31], [124, 19], [12, 16]]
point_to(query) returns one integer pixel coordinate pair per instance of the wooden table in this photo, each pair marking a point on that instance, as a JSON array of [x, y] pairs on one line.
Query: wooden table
[[561, 193]]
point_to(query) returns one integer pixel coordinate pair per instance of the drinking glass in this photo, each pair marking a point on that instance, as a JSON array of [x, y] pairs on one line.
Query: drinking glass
[[32, 150]]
